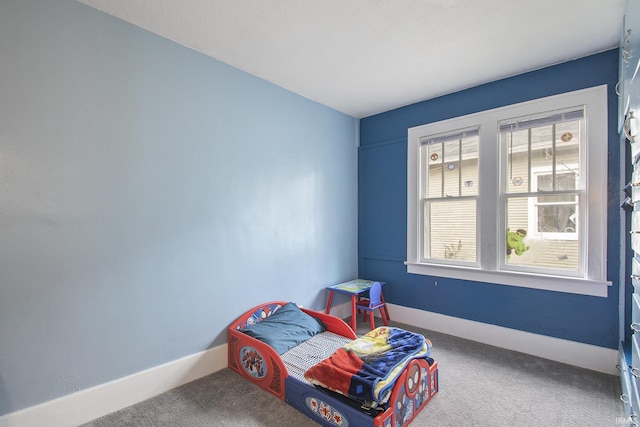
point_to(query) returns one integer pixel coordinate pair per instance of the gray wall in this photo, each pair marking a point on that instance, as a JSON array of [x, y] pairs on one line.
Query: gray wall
[[148, 196]]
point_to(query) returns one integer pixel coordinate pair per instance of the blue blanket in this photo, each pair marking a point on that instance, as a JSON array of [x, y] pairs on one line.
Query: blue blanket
[[366, 369]]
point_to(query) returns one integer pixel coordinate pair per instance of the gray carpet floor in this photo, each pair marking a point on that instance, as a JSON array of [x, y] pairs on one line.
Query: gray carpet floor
[[480, 385]]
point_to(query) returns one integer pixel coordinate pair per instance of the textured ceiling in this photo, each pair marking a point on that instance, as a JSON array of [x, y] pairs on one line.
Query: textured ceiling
[[364, 57]]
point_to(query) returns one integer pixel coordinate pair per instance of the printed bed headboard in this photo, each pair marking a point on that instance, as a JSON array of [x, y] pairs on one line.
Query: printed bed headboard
[[258, 315]]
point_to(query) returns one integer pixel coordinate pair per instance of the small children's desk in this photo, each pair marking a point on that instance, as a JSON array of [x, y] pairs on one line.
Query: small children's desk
[[354, 288]]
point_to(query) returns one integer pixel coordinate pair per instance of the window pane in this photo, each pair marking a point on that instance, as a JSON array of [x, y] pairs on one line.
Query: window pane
[[542, 148], [469, 171], [434, 160], [518, 162], [557, 217], [551, 143], [451, 162], [452, 230], [563, 181], [568, 142], [541, 247], [555, 213]]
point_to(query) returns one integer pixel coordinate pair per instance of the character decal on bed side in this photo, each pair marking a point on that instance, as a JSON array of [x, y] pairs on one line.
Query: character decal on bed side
[[423, 390], [413, 379], [262, 314], [259, 316], [421, 394], [253, 362], [404, 409], [327, 413]]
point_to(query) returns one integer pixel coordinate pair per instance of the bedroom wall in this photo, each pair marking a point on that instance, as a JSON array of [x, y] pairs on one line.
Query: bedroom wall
[[148, 196], [383, 214]]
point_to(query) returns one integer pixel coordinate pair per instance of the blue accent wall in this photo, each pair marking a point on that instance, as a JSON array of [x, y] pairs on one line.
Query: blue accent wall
[[382, 191], [148, 196]]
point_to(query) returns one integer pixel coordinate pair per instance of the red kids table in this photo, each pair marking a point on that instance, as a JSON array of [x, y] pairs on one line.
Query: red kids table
[[354, 288]]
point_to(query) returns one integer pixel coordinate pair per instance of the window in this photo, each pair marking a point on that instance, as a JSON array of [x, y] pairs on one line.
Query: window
[[515, 195], [450, 185], [543, 191]]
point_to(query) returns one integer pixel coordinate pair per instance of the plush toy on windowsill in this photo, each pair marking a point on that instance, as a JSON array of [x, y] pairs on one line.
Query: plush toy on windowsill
[[515, 242]]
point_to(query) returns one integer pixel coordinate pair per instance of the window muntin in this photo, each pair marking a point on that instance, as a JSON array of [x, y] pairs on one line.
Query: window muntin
[[498, 196]]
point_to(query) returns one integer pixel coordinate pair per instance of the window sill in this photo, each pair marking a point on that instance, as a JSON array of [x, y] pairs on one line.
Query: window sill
[[595, 288]]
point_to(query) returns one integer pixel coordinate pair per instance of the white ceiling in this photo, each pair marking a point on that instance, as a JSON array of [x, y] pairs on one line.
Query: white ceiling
[[363, 57]]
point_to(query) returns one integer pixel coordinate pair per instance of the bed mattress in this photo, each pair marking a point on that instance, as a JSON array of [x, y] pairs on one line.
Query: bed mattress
[[303, 356]]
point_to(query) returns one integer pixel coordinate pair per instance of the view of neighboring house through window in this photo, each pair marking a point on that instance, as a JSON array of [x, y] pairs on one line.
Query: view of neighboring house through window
[[515, 195]]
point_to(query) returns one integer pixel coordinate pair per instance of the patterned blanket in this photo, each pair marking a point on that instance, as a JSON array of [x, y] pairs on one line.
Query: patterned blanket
[[366, 368]]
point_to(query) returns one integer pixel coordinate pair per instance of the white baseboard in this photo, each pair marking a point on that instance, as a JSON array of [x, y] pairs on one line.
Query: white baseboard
[[587, 356], [86, 405]]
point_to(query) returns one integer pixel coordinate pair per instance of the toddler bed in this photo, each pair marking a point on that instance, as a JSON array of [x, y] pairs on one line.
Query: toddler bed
[[315, 363]]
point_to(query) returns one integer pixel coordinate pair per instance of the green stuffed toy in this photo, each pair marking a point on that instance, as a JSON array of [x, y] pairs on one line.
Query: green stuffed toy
[[515, 242]]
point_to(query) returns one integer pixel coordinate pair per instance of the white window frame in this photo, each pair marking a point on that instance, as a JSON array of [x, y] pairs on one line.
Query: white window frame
[[490, 220]]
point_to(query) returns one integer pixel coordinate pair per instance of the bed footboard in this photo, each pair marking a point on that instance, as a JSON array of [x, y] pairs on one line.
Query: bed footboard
[[412, 391]]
